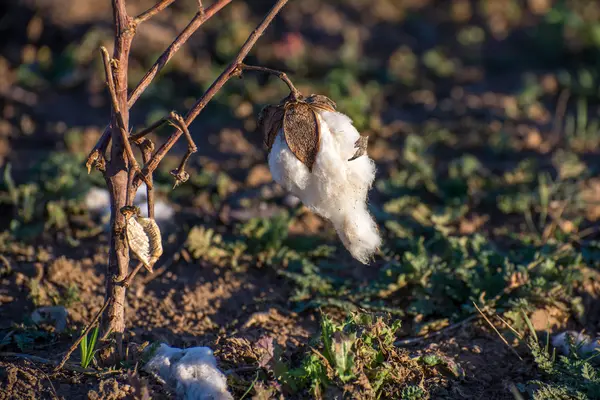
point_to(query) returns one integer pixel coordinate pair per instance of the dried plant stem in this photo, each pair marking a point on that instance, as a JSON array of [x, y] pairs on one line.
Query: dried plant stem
[[147, 147], [199, 19], [281, 75], [86, 331], [183, 37], [233, 69], [117, 178], [497, 332], [152, 11], [180, 174]]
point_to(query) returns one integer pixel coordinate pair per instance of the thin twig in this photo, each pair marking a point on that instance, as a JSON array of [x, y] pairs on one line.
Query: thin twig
[[509, 326], [152, 11], [138, 136], [281, 75], [229, 72], [50, 382], [84, 334], [147, 148], [179, 173], [200, 7], [195, 23], [497, 332]]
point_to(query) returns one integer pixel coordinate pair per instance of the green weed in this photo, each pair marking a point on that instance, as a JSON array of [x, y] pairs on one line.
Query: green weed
[[87, 347]]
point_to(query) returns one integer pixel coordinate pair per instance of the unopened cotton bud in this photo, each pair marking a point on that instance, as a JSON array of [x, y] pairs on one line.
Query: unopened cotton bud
[[318, 155]]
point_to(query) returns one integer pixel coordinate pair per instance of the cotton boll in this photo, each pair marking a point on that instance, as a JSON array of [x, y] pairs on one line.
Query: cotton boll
[[336, 188]]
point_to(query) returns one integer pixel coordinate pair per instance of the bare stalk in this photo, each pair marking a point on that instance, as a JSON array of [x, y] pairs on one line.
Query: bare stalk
[[117, 178]]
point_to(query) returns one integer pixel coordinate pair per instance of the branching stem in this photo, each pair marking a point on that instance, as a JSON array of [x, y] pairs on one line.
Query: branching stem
[[232, 70]]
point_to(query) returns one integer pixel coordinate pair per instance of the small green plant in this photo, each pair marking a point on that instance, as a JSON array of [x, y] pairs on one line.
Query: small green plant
[[87, 347], [357, 355], [413, 392], [564, 377]]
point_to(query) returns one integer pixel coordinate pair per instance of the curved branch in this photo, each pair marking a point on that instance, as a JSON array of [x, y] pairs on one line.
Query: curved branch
[[281, 75]]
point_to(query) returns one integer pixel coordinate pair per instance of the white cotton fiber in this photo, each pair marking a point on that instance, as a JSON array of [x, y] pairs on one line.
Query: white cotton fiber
[[98, 201], [192, 373], [584, 343], [337, 188]]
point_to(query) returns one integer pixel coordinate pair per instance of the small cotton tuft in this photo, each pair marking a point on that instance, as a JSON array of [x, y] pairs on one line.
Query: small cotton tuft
[[337, 188], [192, 372]]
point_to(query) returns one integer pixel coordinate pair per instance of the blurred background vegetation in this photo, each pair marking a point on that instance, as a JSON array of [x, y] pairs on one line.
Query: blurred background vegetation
[[483, 118]]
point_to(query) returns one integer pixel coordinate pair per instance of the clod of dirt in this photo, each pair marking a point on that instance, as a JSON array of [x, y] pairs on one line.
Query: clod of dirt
[[57, 315], [258, 175], [548, 318], [192, 372], [110, 390]]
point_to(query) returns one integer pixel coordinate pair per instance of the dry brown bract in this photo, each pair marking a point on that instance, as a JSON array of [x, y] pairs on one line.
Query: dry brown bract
[[300, 123]]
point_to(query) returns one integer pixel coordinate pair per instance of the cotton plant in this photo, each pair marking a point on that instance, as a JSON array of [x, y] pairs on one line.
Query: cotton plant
[[317, 154]]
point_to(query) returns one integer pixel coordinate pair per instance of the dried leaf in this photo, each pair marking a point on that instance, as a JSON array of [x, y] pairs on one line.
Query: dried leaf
[[144, 239], [361, 147], [270, 121], [321, 102], [267, 350], [302, 132]]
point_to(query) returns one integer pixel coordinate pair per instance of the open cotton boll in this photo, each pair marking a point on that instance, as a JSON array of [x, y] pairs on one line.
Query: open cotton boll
[[336, 188]]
